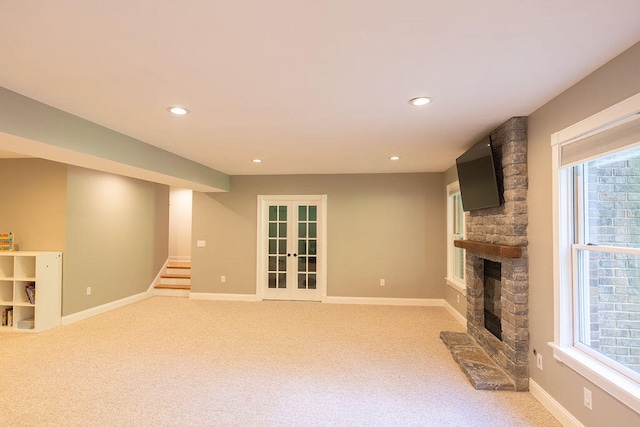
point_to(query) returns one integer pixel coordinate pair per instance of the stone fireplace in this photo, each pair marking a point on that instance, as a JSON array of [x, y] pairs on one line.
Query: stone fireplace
[[496, 240]]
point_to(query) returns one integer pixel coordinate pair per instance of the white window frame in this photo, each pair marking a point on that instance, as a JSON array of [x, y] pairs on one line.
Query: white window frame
[[451, 279], [566, 347]]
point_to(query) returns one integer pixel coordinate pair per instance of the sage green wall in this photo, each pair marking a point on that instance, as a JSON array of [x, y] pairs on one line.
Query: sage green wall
[[389, 226], [615, 81], [116, 239], [34, 203], [451, 295]]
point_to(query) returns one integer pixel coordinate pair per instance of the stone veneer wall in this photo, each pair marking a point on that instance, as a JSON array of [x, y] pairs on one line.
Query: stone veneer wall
[[504, 225]]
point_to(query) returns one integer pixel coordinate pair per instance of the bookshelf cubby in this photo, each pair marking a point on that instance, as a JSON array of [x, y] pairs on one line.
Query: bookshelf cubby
[[20, 310]]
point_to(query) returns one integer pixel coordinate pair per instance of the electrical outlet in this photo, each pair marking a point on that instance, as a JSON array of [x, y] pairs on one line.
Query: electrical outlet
[[382, 283], [587, 398], [88, 290], [539, 361], [223, 279]]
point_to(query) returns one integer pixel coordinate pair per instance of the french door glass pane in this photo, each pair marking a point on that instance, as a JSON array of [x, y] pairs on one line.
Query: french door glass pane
[[312, 264], [302, 247], [282, 213], [312, 247], [302, 213], [313, 213], [273, 213], [312, 230], [272, 280], [273, 243], [302, 230]]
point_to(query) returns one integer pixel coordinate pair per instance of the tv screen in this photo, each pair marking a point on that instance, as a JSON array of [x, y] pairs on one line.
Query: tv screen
[[479, 186]]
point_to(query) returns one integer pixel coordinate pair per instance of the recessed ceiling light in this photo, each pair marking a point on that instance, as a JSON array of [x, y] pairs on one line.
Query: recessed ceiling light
[[178, 111], [394, 158], [421, 100], [256, 161]]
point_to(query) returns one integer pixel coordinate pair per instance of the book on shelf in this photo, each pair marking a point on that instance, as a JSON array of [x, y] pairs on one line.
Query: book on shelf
[[7, 316], [30, 289], [6, 241]]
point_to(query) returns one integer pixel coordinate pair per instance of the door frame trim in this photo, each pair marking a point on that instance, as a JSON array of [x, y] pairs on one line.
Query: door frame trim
[[261, 241]]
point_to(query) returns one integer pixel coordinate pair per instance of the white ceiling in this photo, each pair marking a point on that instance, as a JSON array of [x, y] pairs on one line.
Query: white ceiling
[[307, 86]]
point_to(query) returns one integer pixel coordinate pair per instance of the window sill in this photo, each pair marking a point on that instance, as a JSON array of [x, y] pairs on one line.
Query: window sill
[[617, 385], [457, 285]]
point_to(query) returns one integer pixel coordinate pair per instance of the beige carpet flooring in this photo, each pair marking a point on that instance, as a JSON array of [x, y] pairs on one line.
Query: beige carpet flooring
[[179, 362]]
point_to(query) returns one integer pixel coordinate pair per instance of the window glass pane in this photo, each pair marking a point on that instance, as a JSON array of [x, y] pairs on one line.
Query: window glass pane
[[302, 213], [283, 229], [302, 281], [272, 280], [273, 229], [282, 246], [282, 280], [458, 214], [608, 305], [302, 247], [612, 199], [282, 213], [273, 213], [282, 263], [312, 247], [458, 263], [272, 246], [302, 263], [312, 263], [302, 229], [313, 230], [311, 281], [313, 213], [272, 263]]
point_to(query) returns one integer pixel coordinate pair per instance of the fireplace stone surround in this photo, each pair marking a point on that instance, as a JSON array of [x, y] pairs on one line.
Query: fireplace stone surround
[[500, 235]]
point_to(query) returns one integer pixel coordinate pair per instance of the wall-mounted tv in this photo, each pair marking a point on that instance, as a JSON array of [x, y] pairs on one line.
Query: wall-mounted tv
[[479, 186]]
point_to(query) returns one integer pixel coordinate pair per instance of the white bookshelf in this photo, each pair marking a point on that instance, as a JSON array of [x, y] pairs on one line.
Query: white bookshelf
[[18, 270]]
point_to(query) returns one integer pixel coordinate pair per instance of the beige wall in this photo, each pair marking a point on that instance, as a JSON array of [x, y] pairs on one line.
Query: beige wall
[[34, 203], [117, 237], [612, 83], [180, 207], [389, 226]]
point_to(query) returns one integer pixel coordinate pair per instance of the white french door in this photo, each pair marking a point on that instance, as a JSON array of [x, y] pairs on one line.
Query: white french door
[[291, 247]]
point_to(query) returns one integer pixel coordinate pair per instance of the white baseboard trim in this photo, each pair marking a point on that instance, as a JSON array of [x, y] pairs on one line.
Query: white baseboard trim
[[224, 297], [85, 314], [456, 314], [557, 410], [424, 302]]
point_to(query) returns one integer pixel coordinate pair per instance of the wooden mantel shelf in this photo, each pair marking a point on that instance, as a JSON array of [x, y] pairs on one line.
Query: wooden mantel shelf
[[489, 248]]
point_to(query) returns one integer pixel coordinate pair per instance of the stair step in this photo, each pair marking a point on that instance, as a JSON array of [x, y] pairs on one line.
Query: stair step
[[175, 276], [179, 264], [181, 287]]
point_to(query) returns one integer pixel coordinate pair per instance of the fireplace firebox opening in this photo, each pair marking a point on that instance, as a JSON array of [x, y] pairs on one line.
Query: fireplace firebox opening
[[492, 294]]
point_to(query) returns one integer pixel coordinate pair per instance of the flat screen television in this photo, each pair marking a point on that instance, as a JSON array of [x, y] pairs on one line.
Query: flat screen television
[[479, 186]]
